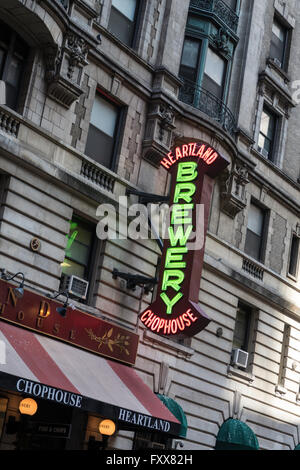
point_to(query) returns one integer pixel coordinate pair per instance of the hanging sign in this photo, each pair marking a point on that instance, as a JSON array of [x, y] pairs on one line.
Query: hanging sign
[[193, 167]]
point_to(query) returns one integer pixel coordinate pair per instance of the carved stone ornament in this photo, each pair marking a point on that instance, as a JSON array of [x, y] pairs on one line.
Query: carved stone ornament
[[233, 190], [159, 132], [64, 67], [221, 40]]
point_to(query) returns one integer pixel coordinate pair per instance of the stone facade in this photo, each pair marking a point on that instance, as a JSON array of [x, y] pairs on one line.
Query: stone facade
[[46, 178]]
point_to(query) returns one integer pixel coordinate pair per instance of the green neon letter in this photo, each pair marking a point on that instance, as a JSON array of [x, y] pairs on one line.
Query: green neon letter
[[170, 303], [175, 283], [187, 171], [180, 214], [184, 191], [174, 255], [179, 235]]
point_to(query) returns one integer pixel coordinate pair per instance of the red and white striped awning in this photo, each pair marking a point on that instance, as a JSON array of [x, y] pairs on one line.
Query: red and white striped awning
[[104, 385]]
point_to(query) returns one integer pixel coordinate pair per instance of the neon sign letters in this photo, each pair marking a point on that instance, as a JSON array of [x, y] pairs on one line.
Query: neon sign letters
[[175, 311]]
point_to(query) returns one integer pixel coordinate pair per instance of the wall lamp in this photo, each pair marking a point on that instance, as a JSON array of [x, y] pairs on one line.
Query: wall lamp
[[19, 291], [133, 280], [62, 310]]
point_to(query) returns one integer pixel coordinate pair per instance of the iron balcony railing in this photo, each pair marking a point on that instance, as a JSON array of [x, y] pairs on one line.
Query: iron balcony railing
[[218, 8], [196, 96]]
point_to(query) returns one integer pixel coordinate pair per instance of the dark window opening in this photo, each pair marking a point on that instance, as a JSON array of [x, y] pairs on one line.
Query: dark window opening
[[13, 56], [241, 334], [294, 256], [190, 59], [81, 253], [255, 238]]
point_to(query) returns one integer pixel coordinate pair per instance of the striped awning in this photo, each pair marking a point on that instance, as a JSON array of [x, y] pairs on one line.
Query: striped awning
[[42, 367]]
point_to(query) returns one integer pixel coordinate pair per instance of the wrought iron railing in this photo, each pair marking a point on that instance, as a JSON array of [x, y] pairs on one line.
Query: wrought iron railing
[[220, 10], [196, 96]]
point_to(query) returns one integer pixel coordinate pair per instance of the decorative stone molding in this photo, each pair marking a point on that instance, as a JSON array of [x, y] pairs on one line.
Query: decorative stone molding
[[159, 132], [233, 190], [221, 40], [64, 67]]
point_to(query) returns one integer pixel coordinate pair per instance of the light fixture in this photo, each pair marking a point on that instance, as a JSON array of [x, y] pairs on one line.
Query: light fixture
[[19, 291], [28, 406], [62, 310]]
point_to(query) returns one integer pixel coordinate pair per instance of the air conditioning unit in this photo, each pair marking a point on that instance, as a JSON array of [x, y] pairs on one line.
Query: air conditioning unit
[[75, 286], [239, 358]]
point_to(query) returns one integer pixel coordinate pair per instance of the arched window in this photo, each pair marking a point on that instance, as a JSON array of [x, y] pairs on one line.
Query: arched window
[[13, 55]]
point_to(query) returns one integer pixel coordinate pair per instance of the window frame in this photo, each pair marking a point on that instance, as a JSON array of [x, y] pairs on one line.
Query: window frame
[[118, 131], [136, 22], [93, 259], [295, 277], [287, 43], [264, 236], [270, 111], [10, 53], [250, 334]]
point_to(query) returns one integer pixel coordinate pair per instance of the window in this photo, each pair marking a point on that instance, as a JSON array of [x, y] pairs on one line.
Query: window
[[103, 129], [150, 440], [267, 134], [294, 256], [122, 20], [279, 44], [255, 238], [190, 59], [13, 56], [81, 250], [214, 73], [241, 334]]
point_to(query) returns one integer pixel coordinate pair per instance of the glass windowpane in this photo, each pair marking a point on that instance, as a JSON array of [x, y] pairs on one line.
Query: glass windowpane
[[126, 7], [255, 220], [104, 116], [190, 53], [214, 67]]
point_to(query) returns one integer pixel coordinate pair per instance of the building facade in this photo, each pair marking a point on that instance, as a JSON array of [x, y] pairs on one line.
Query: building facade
[[94, 94]]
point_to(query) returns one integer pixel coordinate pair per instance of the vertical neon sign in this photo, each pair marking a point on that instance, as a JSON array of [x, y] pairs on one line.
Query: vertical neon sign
[[193, 167]]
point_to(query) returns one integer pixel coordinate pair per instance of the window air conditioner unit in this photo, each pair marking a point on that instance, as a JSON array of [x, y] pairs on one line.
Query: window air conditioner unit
[[75, 286], [239, 358]]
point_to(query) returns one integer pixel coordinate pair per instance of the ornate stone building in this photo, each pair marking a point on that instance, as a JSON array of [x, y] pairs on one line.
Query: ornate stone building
[[94, 93]]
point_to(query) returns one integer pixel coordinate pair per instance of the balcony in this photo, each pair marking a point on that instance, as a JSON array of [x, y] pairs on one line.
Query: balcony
[[196, 96], [223, 14]]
